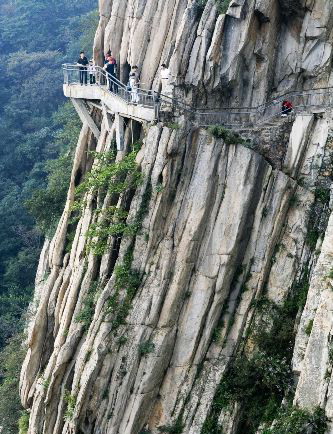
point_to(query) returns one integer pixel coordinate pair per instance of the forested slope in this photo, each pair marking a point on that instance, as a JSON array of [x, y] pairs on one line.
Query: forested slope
[[37, 132]]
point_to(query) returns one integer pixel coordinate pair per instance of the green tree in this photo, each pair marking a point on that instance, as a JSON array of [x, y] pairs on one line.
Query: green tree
[[11, 359], [38, 132]]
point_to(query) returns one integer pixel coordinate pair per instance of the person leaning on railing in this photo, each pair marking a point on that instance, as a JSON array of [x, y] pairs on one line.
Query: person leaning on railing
[[111, 69], [83, 62]]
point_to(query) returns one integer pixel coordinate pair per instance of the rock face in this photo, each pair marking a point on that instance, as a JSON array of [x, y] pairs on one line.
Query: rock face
[[126, 341], [260, 47]]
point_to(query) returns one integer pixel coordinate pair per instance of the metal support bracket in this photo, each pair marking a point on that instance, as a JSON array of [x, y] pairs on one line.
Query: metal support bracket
[[85, 117], [120, 128]]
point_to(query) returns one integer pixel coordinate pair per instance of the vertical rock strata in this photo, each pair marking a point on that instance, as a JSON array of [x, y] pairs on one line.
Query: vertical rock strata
[[237, 59], [221, 229]]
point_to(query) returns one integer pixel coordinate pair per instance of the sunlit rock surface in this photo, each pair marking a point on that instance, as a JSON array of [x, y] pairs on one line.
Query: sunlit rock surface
[[221, 217]]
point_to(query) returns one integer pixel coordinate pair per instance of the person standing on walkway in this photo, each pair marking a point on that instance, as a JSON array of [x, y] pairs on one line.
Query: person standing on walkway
[[287, 108], [106, 61], [106, 57], [92, 72], [167, 88], [134, 85], [83, 62], [113, 61], [110, 68]]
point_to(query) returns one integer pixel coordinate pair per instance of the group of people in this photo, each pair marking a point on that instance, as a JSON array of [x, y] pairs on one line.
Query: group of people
[[134, 83], [88, 67]]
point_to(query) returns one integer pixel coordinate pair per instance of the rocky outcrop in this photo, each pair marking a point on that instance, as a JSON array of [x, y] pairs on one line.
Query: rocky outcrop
[[142, 335], [240, 59], [221, 207]]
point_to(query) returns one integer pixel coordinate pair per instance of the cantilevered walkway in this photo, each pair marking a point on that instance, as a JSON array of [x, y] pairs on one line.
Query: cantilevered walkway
[[119, 102]]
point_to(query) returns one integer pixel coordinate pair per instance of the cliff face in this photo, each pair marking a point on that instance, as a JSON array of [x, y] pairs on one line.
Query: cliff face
[[258, 48], [229, 264]]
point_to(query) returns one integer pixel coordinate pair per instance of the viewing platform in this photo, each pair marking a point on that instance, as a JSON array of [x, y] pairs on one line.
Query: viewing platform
[[115, 103]]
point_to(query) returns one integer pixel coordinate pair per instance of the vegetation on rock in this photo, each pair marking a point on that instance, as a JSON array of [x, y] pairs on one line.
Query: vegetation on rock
[[222, 5], [127, 281], [260, 380], [36, 37], [146, 348], [308, 328], [86, 314], [70, 401], [11, 359], [24, 422], [228, 136], [176, 428], [293, 420], [117, 178]]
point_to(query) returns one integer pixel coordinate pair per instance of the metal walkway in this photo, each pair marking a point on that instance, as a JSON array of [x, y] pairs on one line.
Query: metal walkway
[[118, 98], [304, 102]]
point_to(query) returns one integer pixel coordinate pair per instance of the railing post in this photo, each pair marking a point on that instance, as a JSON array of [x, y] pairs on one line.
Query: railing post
[[173, 105]]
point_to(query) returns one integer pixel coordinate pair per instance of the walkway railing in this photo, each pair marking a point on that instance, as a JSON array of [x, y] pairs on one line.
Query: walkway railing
[[75, 75], [240, 117], [303, 102]]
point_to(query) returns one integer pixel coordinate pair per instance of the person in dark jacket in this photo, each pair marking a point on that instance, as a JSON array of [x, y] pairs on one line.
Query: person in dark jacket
[[111, 68], [83, 62], [106, 57]]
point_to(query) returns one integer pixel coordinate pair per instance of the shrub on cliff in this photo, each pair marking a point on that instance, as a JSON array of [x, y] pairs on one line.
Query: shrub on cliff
[[11, 359], [24, 423], [228, 136], [294, 420], [222, 5]]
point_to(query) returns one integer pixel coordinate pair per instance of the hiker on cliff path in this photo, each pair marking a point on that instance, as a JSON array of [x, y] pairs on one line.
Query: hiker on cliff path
[[111, 68], [83, 62], [106, 57], [92, 72], [167, 88], [287, 108], [134, 85]]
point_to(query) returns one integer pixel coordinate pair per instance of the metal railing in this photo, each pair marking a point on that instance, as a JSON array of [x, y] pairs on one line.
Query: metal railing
[[240, 117], [78, 75], [303, 102]]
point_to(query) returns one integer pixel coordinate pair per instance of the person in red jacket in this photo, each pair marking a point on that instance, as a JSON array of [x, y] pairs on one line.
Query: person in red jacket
[[287, 108]]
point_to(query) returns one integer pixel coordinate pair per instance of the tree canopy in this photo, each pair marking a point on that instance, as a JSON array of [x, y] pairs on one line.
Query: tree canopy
[[38, 131]]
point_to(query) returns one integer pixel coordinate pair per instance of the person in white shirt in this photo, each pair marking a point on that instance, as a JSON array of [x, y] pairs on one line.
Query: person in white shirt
[[167, 88], [134, 85], [92, 71]]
